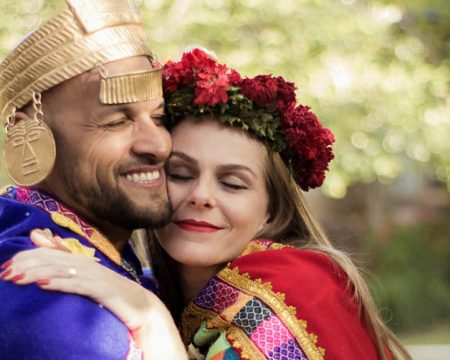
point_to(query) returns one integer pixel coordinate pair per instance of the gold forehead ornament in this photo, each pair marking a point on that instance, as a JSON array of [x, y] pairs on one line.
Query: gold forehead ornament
[[29, 151], [130, 87]]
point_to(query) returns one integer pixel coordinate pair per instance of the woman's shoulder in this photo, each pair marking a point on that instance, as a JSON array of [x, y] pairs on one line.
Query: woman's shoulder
[[284, 264], [305, 279], [275, 299], [258, 321], [314, 290]]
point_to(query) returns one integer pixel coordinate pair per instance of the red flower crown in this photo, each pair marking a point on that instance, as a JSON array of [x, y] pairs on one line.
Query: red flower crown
[[265, 106]]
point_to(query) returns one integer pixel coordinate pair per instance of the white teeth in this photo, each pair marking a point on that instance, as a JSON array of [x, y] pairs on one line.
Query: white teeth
[[143, 177]]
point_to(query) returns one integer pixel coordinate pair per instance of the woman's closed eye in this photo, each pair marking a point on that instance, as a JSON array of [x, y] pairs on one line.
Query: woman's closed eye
[[180, 177], [234, 183], [234, 186], [179, 174]]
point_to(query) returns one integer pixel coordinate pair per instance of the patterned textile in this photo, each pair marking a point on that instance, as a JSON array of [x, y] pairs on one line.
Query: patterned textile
[[277, 302], [45, 202], [63, 216]]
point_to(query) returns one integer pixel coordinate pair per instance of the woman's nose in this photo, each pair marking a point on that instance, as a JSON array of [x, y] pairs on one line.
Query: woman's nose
[[202, 195]]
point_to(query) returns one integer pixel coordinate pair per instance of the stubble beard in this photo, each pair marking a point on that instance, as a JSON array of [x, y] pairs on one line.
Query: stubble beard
[[112, 205]]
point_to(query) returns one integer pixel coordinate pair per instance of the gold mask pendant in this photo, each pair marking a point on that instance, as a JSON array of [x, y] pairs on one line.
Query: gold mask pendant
[[29, 150]]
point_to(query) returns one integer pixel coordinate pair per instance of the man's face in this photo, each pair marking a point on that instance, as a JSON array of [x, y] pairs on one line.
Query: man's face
[[109, 164]]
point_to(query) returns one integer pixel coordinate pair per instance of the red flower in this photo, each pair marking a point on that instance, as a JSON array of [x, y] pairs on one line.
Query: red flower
[[176, 74], [312, 144], [234, 77], [265, 89], [199, 61], [183, 72], [212, 88], [286, 92], [262, 89]]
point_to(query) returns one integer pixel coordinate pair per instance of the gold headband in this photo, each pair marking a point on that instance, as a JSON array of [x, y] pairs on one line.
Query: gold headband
[[131, 87], [88, 33]]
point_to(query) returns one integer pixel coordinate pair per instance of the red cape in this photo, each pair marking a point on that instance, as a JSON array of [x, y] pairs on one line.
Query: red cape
[[278, 302]]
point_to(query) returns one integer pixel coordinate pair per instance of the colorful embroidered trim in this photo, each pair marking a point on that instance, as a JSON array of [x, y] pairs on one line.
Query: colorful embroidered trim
[[286, 315], [256, 320], [262, 245], [64, 217]]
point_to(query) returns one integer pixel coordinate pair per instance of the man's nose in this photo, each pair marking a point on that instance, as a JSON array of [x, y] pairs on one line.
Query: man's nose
[[151, 140]]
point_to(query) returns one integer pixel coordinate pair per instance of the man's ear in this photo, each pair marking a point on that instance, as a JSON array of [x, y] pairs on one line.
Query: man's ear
[[20, 115]]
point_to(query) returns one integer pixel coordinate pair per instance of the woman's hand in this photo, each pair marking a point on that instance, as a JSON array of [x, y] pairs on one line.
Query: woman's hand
[[140, 310]]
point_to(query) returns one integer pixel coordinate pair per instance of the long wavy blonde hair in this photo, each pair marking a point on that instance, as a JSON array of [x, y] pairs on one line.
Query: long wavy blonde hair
[[291, 222]]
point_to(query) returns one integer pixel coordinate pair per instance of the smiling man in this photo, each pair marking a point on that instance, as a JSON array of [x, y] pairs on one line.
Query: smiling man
[[81, 100]]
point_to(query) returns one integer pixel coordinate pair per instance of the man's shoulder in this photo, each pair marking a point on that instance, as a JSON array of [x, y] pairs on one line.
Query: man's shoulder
[[16, 222], [13, 213]]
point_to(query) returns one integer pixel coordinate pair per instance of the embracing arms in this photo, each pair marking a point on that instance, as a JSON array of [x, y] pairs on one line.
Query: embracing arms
[[148, 320]]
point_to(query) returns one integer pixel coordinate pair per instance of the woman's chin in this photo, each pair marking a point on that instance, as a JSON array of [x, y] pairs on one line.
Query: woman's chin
[[196, 258], [194, 261]]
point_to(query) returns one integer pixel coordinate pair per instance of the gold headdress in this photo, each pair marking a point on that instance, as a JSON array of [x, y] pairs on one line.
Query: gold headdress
[[88, 34]]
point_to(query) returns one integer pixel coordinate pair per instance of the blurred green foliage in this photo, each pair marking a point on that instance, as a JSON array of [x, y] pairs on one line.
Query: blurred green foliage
[[413, 277], [376, 72]]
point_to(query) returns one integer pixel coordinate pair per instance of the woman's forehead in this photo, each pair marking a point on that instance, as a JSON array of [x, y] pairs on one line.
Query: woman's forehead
[[209, 140]]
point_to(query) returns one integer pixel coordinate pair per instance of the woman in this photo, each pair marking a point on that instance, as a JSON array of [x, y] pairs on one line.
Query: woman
[[241, 148]]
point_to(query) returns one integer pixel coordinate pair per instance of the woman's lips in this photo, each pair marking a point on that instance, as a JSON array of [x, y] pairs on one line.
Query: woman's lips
[[197, 226]]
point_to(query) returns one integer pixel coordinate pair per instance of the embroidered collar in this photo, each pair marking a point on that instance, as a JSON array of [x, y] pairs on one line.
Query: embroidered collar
[[65, 217], [261, 245], [44, 201]]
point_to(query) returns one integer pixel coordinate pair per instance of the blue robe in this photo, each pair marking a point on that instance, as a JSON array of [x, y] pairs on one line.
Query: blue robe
[[40, 324]]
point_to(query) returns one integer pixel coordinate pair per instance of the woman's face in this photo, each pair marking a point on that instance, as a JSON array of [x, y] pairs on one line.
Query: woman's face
[[217, 189]]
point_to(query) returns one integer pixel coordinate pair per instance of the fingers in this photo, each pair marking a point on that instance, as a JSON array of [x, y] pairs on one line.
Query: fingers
[[39, 238], [42, 273], [43, 263], [68, 285], [39, 256], [60, 244], [35, 257], [52, 269], [44, 238]]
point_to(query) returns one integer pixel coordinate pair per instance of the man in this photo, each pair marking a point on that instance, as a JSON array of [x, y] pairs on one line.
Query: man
[[87, 80]]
